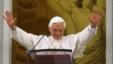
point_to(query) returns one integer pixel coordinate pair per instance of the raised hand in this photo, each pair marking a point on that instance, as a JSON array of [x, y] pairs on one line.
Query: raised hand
[[10, 20], [95, 18]]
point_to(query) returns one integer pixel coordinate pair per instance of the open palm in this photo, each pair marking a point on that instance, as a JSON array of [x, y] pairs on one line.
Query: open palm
[[9, 19], [95, 18]]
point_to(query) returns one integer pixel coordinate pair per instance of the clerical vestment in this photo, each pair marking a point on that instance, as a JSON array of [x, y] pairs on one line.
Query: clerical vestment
[[75, 42]]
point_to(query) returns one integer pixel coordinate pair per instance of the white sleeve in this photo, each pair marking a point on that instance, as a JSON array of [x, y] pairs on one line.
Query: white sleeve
[[85, 35], [82, 39], [22, 37]]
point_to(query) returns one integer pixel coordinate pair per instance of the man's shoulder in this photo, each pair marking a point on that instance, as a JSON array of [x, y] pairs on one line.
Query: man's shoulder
[[69, 35]]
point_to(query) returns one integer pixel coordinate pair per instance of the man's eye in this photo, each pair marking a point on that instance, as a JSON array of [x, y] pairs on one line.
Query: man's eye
[[60, 30], [54, 30]]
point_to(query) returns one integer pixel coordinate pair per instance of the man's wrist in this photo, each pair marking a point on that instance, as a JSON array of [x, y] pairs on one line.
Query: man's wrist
[[93, 26], [14, 28]]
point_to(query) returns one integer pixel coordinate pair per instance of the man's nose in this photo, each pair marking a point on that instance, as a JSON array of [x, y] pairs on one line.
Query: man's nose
[[57, 32]]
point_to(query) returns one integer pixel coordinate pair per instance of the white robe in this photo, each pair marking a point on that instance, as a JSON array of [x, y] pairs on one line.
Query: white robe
[[75, 42]]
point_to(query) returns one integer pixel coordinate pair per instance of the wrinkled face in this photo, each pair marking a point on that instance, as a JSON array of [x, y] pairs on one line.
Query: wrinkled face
[[57, 30]]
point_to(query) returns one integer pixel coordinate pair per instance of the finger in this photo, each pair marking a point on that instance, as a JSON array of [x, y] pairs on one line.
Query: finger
[[7, 14], [95, 12], [99, 11], [90, 19], [4, 17], [11, 14], [100, 14], [14, 19]]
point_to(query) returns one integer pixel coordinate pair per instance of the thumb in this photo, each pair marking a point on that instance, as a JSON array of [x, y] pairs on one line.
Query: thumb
[[89, 18], [14, 19]]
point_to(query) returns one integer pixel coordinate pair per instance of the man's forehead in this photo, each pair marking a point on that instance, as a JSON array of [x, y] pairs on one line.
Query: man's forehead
[[58, 25]]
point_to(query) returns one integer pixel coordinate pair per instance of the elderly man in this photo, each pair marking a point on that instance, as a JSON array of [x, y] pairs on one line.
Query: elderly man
[[75, 42]]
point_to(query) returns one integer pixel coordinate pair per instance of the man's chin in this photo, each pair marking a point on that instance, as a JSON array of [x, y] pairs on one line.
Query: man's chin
[[57, 38]]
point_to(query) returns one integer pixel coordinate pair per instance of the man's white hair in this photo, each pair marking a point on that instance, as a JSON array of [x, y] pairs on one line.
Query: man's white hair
[[56, 19]]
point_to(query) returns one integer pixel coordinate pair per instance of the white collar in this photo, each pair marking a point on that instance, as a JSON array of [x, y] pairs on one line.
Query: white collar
[[54, 44], [52, 39]]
